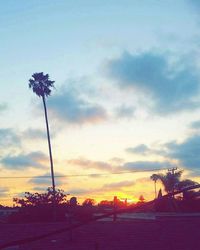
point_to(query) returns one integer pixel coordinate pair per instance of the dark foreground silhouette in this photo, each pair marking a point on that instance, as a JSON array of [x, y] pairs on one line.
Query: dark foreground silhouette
[[161, 234], [82, 228]]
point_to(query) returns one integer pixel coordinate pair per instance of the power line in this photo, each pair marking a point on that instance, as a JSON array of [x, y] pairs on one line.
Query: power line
[[83, 175]]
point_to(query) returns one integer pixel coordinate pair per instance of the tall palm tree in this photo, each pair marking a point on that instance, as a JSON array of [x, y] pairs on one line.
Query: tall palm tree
[[154, 177], [170, 180], [41, 86]]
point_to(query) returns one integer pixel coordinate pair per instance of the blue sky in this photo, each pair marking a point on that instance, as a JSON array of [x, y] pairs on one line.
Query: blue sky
[[126, 97]]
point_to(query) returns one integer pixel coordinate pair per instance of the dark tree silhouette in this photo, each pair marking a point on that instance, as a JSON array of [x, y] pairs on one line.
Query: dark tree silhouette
[[37, 207], [154, 177], [41, 199], [73, 201], [186, 183], [141, 199], [41, 86], [169, 180], [88, 202], [172, 181], [105, 204]]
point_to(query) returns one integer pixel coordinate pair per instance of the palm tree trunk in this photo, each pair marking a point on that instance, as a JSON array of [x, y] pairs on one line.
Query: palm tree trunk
[[50, 155], [155, 189]]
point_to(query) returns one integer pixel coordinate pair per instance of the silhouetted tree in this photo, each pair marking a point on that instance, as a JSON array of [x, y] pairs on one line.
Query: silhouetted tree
[[154, 177], [188, 195], [186, 183], [73, 202], [37, 207], [41, 199], [105, 204], [41, 86], [172, 181], [160, 194], [88, 202], [141, 199]]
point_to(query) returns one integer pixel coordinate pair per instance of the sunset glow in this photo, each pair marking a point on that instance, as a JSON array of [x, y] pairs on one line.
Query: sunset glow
[[126, 102]]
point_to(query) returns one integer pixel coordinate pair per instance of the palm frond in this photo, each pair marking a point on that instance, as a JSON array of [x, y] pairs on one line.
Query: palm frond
[[40, 84]]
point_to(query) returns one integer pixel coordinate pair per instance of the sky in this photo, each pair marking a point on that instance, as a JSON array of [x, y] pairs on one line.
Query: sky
[[126, 97]]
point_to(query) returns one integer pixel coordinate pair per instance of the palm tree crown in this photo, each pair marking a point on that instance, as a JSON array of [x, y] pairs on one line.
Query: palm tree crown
[[154, 177], [170, 180], [40, 84]]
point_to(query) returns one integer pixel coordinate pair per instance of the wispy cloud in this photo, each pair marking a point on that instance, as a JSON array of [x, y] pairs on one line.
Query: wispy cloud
[[195, 124], [69, 106], [186, 152], [124, 111], [117, 185], [3, 191], [170, 89], [143, 149], [45, 180], [122, 167], [3, 107], [24, 161], [146, 165], [79, 191], [139, 149], [9, 138], [88, 164], [34, 134], [112, 186]]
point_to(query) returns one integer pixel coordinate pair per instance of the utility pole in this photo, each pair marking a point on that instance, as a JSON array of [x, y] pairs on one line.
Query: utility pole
[[172, 170]]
